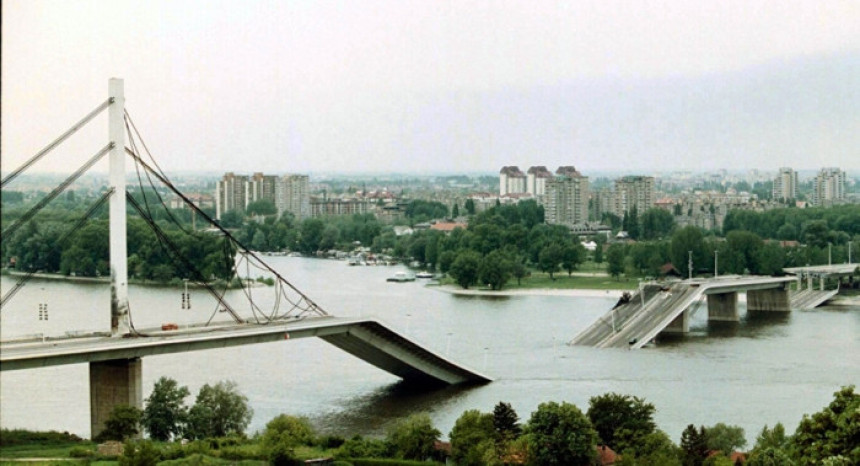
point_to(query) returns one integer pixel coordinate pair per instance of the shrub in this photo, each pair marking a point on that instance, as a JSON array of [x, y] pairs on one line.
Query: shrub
[[143, 453], [81, 452]]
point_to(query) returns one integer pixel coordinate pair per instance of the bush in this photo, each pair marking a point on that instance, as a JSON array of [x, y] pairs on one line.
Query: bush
[[330, 441], [358, 447], [12, 437], [143, 453], [122, 423], [291, 430], [81, 452], [240, 452]]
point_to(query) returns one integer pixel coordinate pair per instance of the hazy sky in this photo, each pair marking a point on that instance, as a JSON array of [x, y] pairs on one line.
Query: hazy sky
[[433, 86]]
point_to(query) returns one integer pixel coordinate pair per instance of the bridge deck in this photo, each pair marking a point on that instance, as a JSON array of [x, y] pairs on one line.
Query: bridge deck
[[632, 325], [367, 339]]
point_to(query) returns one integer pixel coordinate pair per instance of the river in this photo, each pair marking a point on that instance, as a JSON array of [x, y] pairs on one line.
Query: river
[[760, 371]]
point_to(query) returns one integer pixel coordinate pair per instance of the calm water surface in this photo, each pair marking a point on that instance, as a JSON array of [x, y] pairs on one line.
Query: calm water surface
[[761, 371]]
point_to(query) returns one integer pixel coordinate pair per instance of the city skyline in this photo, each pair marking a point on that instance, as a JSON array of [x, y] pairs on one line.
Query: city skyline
[[441, 87]]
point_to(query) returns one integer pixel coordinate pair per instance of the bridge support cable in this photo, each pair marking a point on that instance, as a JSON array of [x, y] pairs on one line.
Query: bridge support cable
[[174, 249], [60, 242], [11, 176], [56, 192], [309, 307]]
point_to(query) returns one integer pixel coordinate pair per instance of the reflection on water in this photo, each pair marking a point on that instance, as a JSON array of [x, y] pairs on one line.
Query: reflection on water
[[767, 368]]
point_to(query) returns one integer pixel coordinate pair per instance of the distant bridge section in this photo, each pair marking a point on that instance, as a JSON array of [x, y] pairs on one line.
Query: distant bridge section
[[666, 308]]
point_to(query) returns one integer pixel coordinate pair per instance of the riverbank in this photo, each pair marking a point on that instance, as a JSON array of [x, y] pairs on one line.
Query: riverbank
[[579, 292], [175, 283]]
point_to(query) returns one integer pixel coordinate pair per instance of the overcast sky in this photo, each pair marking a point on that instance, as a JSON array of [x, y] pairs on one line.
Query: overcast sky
[[432, 86]]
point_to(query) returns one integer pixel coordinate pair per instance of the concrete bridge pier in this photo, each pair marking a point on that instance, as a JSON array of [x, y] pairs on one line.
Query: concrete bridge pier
[[680, 324], [723, 307], [768, 300], [113, 382]]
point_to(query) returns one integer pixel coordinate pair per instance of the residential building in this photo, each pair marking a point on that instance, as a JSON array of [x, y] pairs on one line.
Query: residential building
[[566, 198], [633, 191], [231, 193], [828, 187], [292, 194], [536, 178], [321, 207], [262, 188], [511, 180], [785, 185]]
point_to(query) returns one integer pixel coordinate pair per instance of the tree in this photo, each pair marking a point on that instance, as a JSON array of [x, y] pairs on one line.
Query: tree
[[519, 269], [471, 435], [495, 270], [413, 437], [455, 211], [311, 235], [464, 270], [831, 432], [612, 413], [725, 438], [771, 438], [694, 449], [219, 410], [549, 259], [469, 205], [615, 260], [142, 453], [770, 456], [291, 430], [261, 207], [506, 422], [572, 255], [559, 434], [165, 414], [282, 435], [656, 223], [231, 219], [687, 239], [122, 423]]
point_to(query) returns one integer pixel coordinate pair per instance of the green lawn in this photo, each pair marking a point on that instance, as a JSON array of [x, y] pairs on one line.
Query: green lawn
[[540, 280], [42, 451]]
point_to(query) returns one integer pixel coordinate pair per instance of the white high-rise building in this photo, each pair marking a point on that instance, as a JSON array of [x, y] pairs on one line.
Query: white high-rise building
[[785, 185], [511, 181], [828, 187], [536, 178]]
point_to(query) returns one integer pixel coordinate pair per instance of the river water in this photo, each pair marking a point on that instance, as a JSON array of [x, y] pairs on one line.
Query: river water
[[760, 371]]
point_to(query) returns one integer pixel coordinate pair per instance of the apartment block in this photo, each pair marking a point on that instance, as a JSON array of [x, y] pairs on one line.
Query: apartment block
[[828, 187], [566, 198], [231, 193], [785, 185], [633, 191], [536, 178], [293, 195], [511, 181]]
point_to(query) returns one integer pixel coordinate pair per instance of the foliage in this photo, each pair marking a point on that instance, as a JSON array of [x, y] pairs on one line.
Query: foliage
[[465, 268], [495, 270], [165, 414], [12, 437], [359, 447], [218, 410], [615, 260], [289, 430], [122, 423], [831, 432], [694, 448], [550, 258], [686, 240], [261, 207], [612, 413], [725, 438], [470, 436], [656, 223], [770, 456], [506, 422], [421, 211], [413, 437], [141, 453], [559, 434], [774, 438]]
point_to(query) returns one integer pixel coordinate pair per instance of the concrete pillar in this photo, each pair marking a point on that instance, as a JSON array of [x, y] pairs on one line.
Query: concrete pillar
[[112, 383], [768, 300], [723, 307], [821, 282], [809, 285], [681, 324]]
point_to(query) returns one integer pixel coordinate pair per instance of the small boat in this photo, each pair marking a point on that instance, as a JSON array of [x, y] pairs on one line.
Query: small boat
[[423, 274], [400, 277]]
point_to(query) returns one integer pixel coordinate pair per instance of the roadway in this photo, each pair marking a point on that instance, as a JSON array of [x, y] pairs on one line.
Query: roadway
[[367, 339]]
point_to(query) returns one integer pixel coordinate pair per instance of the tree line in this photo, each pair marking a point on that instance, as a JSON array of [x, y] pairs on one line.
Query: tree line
[[555, 434]]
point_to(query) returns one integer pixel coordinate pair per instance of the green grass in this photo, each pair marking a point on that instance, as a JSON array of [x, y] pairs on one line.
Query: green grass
[[540, 280], [42, 451]]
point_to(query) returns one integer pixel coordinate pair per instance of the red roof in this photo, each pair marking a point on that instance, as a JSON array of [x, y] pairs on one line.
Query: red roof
[[447, 226], [606, 456]]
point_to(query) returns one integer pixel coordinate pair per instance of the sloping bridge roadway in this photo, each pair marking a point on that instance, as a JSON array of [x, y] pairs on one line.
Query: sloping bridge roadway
[[367, 339], [666, 308]]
